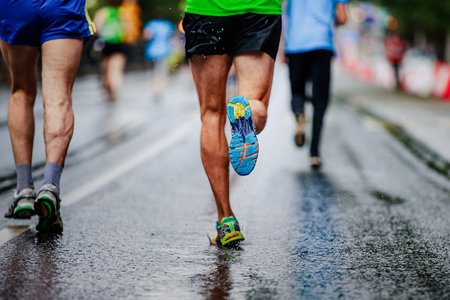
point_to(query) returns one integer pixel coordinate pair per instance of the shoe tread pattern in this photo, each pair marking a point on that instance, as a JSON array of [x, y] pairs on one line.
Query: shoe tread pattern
[[244, 145]]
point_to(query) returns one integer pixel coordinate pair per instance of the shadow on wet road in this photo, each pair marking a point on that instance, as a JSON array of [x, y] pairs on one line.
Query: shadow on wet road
[[316, 258], [218, 284]]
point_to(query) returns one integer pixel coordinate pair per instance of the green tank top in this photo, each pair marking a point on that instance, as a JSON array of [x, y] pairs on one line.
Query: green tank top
[[221, 8], [112, 29]]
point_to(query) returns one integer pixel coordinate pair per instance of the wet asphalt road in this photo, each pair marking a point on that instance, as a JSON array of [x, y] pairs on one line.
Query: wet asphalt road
[[137, 208]]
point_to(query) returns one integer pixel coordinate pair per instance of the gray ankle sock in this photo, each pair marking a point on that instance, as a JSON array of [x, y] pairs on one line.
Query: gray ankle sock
[[52, 174], [24, 178]]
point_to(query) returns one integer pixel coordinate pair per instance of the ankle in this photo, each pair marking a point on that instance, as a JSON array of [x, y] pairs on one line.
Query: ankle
[[24, 177], [52, 174], [300, 116], [221, 217]]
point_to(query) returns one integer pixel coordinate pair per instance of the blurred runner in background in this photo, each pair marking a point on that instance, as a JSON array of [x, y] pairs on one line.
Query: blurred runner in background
[[218, 34], [309, 49], [395, 48], [111, 29], [56, 30], [130, 12], [159, 33]]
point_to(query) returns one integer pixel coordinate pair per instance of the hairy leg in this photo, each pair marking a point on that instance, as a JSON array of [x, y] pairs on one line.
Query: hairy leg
[[255, 74], [21, 62], [210, 75], [60, 60]]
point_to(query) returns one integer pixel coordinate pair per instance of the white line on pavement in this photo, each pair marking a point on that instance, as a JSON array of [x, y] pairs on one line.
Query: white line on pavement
[[170, 139], [180, 132], [10, 232]]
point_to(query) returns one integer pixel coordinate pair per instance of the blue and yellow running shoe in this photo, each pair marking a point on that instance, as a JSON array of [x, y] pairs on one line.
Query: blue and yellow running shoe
[[228, 233], [22, 205], [244, 146], [47, 207]]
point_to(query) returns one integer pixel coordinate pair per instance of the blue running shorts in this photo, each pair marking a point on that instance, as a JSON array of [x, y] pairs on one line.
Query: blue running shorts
[[33, 22]]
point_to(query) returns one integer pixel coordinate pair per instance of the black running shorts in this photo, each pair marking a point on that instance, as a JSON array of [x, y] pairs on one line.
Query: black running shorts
[[109, 49], [232, 35]]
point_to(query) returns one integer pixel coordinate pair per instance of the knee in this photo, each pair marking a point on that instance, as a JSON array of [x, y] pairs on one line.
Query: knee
[[211, 116], [213, 123], [57, 103], [24, 96], [213, 139]]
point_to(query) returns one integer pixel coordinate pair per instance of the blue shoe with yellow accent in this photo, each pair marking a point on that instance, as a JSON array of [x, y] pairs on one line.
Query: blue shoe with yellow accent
[[228, 233], [244, 145], [47, 206]]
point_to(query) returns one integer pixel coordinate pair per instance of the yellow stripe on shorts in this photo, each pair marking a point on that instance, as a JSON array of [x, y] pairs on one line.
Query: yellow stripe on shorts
[[88, 18]]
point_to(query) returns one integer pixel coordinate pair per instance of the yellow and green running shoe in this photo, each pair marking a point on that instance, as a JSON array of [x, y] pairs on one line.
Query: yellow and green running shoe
[[244, 145], [47, 207], [22, 205], [228, 233]]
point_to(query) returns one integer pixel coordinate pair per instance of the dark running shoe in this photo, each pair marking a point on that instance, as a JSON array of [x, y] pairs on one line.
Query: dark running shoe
[[244, 146], [47, 206], [228, 233], [22, 205]]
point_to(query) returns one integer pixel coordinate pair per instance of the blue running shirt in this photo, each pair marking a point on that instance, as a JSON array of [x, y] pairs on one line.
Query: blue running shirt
[[159, 46], [309, 25]]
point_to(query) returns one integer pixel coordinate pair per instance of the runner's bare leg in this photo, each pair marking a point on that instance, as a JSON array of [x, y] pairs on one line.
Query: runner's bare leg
[[60, 60], [104, 71], [115, 72], [21, 61], [255, 75], [210, 75]]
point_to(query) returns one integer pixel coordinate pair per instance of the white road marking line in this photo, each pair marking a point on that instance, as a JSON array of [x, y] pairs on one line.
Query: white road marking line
[[150, 152], [10, 232]]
